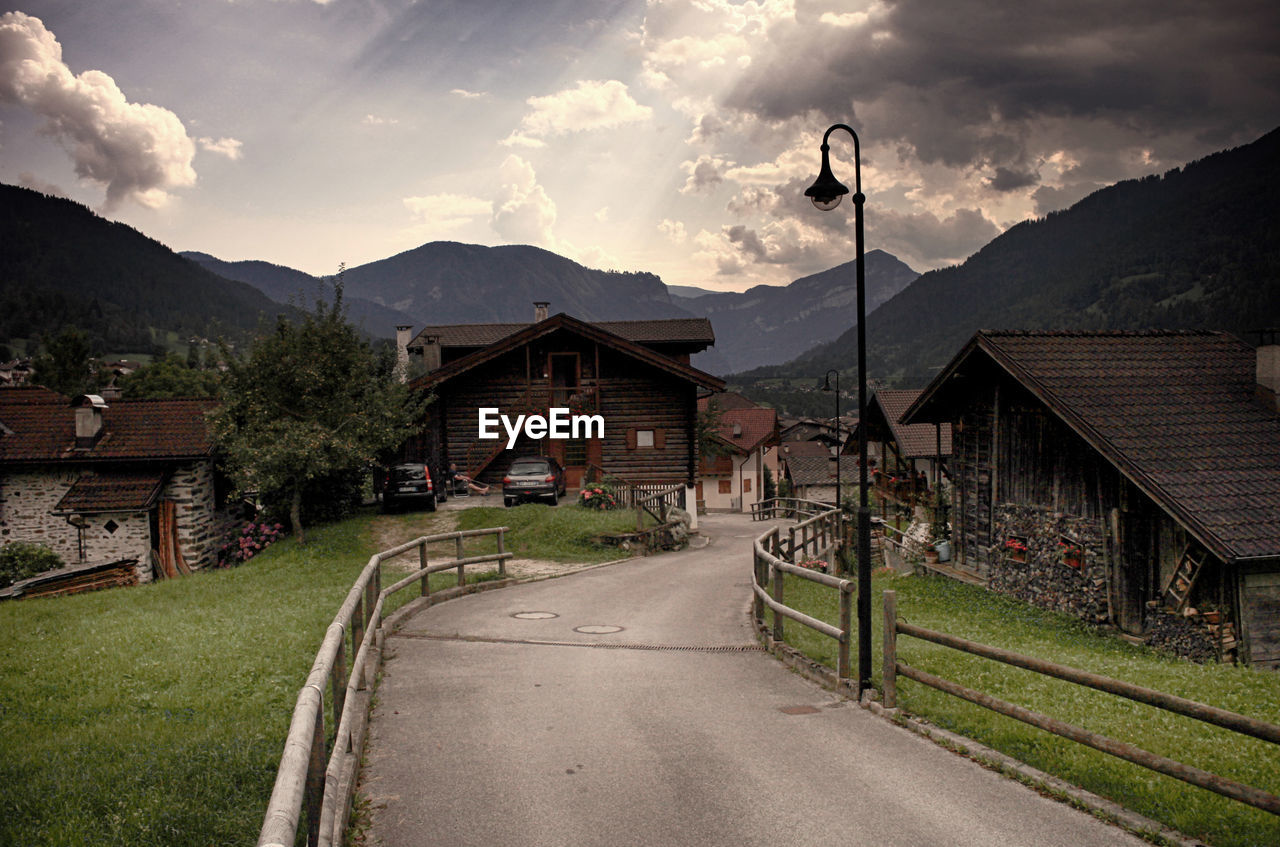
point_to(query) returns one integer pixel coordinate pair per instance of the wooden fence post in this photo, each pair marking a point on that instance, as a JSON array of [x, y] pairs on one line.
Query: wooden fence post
[[778, 575], [422, 566], [889, 670], [502, 548], [791, 550], [339, 680], [460, 554], [846, 627], [315, 778]]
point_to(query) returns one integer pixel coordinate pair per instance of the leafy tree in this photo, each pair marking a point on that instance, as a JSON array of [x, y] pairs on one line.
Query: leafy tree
[[708, 425], [770, 487], [168, 377], [308, 409], [66, 364]]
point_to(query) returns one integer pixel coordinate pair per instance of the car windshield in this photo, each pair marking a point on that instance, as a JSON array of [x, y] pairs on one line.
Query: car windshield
[[530, 467]]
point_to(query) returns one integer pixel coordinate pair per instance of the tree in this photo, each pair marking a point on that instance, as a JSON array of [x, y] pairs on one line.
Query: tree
[[65, 365], [308, 409], [169, 377]]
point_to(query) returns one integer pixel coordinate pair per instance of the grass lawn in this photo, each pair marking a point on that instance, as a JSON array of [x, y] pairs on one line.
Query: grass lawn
[[156, 715], [979, 615]]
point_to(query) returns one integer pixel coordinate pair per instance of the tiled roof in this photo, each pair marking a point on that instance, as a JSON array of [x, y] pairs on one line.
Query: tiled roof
[[820, 470], [131, 430], [94, 493], [756, 426], [1174, 411], [21, 395], [914, 440], [727, 400], [791, 449], [692, 330]]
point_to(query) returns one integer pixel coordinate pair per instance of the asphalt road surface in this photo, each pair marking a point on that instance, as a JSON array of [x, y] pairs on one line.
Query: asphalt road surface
[[631, 705]]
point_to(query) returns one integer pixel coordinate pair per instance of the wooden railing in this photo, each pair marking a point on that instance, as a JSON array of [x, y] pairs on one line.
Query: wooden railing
[[893, 668], [817, 537], [659, 504], [324, 785], [787, 507]]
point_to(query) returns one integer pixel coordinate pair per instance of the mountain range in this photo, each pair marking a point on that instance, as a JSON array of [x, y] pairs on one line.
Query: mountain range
[[1195, 248], [1198, 246]]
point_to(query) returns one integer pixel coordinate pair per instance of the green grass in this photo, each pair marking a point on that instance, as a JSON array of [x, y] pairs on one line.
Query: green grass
[[561, 533], [979, 615], [156, 715]]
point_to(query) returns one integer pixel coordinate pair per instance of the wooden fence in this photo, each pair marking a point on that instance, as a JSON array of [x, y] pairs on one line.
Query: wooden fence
[[815, 538], [893, 668], [321, 781], [788, 507]]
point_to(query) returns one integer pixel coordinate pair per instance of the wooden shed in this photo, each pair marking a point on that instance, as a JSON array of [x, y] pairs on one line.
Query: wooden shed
[[1130, 478]]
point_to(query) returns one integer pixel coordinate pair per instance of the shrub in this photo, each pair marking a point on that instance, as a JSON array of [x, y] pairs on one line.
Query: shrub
[[599, 497], [242, 545], [20, 560]]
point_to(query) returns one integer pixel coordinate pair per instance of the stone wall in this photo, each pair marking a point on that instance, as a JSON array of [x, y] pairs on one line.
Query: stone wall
[[28, 500], [1065, 567], [191, 490]]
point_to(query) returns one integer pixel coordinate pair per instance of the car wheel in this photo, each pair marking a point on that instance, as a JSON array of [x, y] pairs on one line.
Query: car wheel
[[508, 502], [553, 500]]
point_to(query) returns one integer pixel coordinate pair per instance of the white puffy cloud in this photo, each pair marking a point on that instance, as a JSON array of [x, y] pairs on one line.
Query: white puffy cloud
[[704, 174], [673, 230], [229, 147], [138, 151], [522, 211], [591, 105]]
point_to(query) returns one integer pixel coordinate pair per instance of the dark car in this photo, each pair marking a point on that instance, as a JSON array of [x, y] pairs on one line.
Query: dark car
[[412, 482], [533, 478]]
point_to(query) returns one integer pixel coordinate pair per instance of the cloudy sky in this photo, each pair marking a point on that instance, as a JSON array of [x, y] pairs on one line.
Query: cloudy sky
[[673, 136]]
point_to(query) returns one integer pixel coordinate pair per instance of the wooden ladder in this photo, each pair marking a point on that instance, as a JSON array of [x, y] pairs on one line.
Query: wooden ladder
[[1184, 577]]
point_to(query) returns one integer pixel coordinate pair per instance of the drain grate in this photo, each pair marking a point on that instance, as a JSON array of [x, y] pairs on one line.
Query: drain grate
[[669, 648]]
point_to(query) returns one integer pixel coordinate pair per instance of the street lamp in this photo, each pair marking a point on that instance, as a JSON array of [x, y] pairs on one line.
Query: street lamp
[[826, 386], [826, 193]]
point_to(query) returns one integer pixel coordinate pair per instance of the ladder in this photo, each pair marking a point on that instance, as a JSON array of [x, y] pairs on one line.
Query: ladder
[[1184, 577]]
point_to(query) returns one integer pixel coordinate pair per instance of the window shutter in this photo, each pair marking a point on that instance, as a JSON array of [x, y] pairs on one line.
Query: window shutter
[[659, 439], [631, 439]]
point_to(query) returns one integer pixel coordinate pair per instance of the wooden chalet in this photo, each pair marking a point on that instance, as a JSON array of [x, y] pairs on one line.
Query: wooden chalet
[[912, 457], [1129, 478], [635, 374]]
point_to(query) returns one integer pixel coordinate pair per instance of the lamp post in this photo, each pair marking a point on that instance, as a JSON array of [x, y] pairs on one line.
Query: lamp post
[[826, 193], [826, 386]]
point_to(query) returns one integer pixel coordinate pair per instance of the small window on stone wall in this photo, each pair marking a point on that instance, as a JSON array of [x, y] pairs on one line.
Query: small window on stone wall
[[111, 527], [1016, 547], [1072, 552]]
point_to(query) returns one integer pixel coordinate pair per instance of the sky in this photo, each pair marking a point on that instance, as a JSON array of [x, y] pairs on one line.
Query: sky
[[669, 136]]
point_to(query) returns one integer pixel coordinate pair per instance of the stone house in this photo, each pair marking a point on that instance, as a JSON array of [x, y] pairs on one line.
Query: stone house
[[97, 482], [1128, 478]]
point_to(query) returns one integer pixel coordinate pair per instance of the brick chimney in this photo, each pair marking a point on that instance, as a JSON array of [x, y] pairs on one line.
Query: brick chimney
[[1268, 378], [540, 310], [89, 408], [403, 334]]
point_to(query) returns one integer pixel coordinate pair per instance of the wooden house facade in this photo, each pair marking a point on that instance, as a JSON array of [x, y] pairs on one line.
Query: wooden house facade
[[1131, 479], [635, 375]]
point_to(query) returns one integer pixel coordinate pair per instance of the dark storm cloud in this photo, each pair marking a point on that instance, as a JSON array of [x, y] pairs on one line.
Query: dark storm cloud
[[969, 83]]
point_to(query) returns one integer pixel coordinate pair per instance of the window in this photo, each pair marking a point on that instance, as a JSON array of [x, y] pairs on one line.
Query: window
[[652, 439], [726, 486], [746, 485], [644, 438], [575, 452]]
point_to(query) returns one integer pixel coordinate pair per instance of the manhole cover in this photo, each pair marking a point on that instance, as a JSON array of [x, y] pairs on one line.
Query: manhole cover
[[597, 629], [535, 616], [798, 710]]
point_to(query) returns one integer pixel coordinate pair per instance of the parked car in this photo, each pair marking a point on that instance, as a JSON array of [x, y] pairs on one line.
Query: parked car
[[413, 482], [533, 478]]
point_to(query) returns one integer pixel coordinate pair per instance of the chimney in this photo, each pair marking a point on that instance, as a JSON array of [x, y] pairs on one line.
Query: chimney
[[431, 352], [402, 351], [1268, 371], [540, 310], [89, 409]]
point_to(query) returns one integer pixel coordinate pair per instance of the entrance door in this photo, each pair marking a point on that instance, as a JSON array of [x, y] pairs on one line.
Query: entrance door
[[1132, 552]]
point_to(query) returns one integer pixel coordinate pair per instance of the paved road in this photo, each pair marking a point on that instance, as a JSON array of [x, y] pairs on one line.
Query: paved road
[[493, 729]]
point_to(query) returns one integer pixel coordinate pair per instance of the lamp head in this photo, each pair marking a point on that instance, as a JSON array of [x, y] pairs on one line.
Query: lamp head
[[826, 380], [826, 190]]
